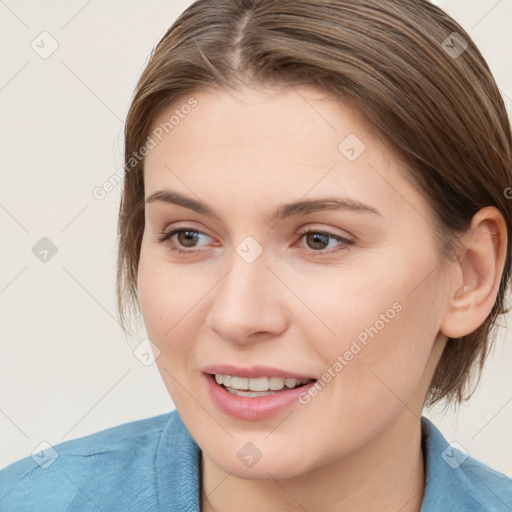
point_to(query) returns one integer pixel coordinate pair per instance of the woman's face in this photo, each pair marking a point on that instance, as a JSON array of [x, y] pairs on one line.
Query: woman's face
[[354, 307]]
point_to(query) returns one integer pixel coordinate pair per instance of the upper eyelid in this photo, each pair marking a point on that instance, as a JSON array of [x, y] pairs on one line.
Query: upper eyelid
[[167, 234], [301, 231]]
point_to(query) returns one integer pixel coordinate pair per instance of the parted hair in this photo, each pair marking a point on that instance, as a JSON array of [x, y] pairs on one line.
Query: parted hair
[[407, 66]]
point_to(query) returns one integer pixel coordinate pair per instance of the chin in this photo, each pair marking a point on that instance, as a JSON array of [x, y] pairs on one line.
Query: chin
[[264, 463]]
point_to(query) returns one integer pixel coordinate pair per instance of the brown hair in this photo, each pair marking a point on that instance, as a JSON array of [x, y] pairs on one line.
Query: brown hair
[[434, 101]]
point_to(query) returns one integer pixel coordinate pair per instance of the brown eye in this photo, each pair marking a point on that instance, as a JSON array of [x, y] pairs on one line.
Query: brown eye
[[186, 237], [318, 241]]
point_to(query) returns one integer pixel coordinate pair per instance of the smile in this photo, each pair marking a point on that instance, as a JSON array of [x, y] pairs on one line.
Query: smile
[[254, 398], [260, 386]]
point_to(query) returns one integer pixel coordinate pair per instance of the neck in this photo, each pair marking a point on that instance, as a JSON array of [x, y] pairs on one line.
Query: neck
[[386, 474]]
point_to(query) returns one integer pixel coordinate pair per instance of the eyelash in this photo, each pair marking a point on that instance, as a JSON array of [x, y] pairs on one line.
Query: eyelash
[[164, 237]]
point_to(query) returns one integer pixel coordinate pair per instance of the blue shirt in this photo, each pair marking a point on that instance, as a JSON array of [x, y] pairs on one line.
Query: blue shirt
[[153, 464]]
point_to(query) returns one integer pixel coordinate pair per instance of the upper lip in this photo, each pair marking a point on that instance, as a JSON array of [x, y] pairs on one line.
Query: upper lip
[[253, 372]]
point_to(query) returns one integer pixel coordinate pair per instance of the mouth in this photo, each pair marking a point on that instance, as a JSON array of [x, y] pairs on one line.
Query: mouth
[[254, 393], [258, 386]]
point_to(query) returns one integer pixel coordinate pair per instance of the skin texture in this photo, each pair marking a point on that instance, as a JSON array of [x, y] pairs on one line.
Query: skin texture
[[356, 445]]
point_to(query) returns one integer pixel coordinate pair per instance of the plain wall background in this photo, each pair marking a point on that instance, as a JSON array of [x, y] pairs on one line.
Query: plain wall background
[[66, 369]]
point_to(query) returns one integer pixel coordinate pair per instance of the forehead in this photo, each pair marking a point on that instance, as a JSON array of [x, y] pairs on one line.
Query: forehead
[[282, 122], [274, 141]]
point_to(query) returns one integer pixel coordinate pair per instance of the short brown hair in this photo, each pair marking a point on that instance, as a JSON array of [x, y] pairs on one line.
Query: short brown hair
[[403, 63]]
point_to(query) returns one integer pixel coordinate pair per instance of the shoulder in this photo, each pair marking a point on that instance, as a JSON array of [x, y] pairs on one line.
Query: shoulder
[[104, 466], [457, 481]]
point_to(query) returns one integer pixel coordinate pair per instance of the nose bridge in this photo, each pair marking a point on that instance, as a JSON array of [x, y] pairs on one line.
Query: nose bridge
[[248, 268], [246, 300], [242, 288]]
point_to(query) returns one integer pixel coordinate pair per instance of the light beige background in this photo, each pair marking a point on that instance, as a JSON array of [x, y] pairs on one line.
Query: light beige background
[[66, 370]]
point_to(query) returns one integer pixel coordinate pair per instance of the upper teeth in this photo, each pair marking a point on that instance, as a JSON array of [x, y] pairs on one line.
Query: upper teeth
[[259, 383]]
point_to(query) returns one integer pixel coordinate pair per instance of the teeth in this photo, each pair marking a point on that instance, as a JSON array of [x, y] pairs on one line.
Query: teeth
[[258, 384], [276, 383], [290, 383], [251, 394]]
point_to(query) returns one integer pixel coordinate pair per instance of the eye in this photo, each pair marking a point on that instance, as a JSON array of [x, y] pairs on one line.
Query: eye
[[185, 237], [319, 239]]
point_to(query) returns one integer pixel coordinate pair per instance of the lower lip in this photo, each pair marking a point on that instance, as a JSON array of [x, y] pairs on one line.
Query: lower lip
[[252, 408]]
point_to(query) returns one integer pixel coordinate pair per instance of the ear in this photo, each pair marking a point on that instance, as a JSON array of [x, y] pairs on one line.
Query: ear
[[474, 289]]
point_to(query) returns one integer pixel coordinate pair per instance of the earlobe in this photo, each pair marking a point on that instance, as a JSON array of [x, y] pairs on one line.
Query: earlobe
[[474, 290]]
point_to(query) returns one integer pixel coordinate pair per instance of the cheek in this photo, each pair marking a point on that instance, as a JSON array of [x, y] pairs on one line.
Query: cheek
[[153, 298], [164, 307], [174, 301], [167, 294], [391, 367], [383, 336]]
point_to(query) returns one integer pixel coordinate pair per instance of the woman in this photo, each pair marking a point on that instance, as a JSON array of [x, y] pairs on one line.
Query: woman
[[314, 225]]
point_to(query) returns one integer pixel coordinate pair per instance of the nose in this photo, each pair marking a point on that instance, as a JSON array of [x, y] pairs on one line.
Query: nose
[[248, 303]]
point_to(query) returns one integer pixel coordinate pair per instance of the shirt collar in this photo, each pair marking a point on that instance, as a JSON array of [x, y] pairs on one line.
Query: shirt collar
[[178, 468], [453, 480]]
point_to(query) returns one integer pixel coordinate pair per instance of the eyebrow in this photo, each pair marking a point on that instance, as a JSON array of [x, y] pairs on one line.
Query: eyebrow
[[285, 210]]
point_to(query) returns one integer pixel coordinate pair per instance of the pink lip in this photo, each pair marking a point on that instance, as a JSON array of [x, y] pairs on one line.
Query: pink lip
[[252, 408], [253, 372]]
